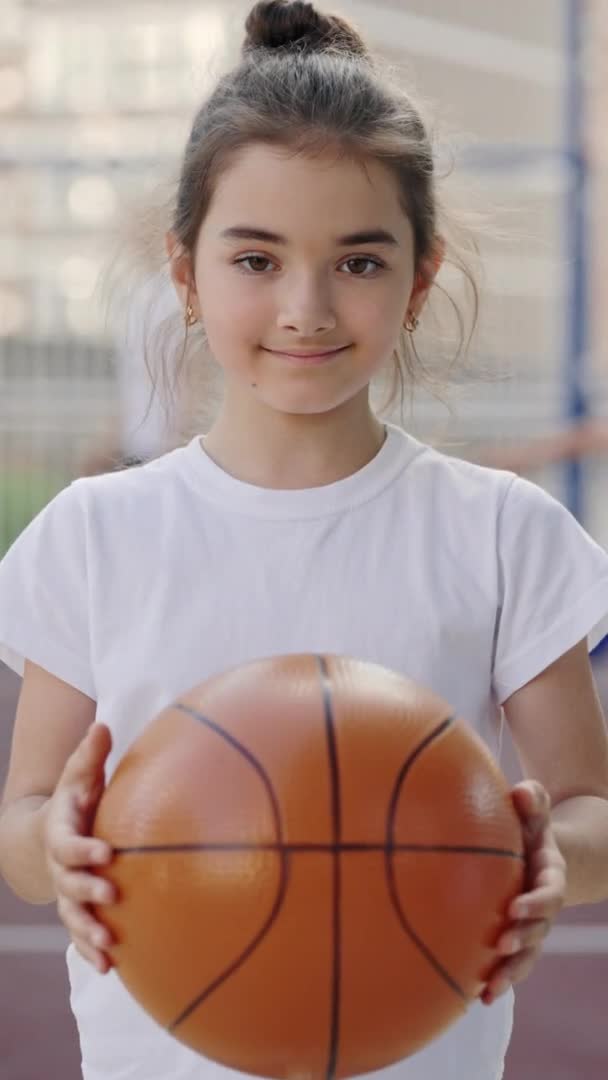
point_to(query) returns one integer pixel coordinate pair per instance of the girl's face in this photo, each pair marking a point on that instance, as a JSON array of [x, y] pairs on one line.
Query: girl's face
[[300, 255]]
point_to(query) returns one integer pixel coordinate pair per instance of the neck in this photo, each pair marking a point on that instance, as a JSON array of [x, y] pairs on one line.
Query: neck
[[290, 451]]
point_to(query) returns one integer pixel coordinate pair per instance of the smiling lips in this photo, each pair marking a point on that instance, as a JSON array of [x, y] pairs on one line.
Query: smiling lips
[[309, 357]]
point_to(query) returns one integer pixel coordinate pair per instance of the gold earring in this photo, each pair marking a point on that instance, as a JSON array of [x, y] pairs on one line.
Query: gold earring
[[411, 323], [190, 316]]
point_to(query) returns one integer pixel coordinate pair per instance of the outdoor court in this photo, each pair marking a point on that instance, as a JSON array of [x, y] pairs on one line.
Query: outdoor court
[[561, 1011]]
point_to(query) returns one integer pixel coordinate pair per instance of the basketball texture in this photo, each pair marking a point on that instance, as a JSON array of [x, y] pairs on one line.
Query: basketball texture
[[314, 860]]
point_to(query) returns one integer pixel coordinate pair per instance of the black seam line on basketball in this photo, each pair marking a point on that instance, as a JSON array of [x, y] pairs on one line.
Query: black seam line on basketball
[[336, 814], [243, 957], [283, 873], [345, 848], [405, 769], [389, 864]]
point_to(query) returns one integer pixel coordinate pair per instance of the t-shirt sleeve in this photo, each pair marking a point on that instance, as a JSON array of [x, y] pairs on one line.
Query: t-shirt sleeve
[[552, 589], [44, 594]]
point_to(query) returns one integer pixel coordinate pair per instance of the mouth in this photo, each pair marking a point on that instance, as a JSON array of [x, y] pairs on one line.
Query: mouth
[[309, 357]]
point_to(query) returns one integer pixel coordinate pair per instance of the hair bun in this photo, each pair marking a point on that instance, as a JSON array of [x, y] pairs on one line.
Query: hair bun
[[295, 24]]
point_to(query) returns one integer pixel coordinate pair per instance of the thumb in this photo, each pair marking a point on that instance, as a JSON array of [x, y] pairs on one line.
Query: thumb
[[533, 798], [83, 767], [533, 805]]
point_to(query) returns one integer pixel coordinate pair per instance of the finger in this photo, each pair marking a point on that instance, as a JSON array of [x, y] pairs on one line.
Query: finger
[[546, 882], [85, 763], [98, 959], [69, 850], [532, 797], [543, 903], [523, 935], [65, 817], [533, 806], [84, 888], [81, 924], [512, 971], [547, 859], [552, 879], [507, 973]]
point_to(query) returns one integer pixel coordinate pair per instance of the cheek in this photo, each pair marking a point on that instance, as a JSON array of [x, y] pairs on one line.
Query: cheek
[[376, 321], [237, 313], [225, 296]]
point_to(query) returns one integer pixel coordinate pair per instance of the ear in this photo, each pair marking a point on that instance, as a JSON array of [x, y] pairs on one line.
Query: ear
[[426, 273], [182, 273]]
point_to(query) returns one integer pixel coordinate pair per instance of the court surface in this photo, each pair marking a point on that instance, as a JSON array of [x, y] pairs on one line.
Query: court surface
[[561, 1025]]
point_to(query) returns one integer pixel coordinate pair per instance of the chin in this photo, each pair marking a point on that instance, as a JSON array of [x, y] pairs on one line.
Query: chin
[[302, 405]]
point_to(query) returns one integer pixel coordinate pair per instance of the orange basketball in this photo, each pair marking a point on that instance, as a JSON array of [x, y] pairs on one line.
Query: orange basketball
[[314, 860]]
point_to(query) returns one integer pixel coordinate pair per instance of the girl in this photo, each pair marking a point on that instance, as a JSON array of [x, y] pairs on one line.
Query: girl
[[305, 239]]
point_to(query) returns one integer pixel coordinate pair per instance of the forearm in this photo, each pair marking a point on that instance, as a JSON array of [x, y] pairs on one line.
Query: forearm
[[580, 826], [22, 860]]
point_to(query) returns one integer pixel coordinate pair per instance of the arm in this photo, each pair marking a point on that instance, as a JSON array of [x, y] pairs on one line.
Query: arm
[[56, 778], [580, 826], [51, 720], [22, 861], [561, 739], [578, 441], [560, 735]]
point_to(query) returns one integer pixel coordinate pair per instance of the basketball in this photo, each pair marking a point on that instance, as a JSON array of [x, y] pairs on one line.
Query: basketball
[[314, 859]]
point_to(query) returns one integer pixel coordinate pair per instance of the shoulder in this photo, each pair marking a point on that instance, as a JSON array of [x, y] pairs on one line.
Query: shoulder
[[137, 481], [479, 495], [138, 496], [458, 484]]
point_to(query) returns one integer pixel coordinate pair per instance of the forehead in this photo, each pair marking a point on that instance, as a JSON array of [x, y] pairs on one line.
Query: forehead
[[288, 192]]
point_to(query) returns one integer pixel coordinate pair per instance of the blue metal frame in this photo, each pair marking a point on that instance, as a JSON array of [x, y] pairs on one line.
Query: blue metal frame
[[576, 335]]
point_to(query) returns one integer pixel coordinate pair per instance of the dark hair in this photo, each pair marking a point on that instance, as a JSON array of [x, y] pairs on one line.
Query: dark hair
[[280, 24], [307, 82]]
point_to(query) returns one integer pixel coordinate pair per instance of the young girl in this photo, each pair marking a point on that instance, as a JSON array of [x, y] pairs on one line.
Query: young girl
[[305, 240]]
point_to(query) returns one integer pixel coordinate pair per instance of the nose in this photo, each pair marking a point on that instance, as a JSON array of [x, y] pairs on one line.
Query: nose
[[306, 307]]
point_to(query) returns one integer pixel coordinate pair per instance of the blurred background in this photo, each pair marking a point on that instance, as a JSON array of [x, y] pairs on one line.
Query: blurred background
[[96, 100]]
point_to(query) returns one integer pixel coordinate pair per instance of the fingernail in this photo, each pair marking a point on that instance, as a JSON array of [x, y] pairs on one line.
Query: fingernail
[[501, 987]]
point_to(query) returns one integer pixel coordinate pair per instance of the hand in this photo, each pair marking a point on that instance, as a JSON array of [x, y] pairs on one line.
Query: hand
[[534, 911], [70, 849]]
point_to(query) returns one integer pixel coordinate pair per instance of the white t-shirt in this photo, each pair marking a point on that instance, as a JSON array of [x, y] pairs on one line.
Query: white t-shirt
[[134, 586]]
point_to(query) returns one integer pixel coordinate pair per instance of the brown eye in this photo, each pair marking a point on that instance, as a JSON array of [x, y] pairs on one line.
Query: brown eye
[[254, 259], [362, 261]]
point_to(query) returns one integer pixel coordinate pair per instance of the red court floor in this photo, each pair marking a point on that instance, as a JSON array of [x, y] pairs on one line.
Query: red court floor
[[561, 1029]]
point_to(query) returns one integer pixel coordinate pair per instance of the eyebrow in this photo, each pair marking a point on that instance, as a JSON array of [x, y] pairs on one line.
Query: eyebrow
[[369, 236]]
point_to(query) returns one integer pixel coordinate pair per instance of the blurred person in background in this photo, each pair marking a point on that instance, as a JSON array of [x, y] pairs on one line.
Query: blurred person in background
[[586, 438]]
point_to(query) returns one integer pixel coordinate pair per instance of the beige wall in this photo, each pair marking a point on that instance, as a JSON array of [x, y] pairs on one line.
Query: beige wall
[[488, 71]]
